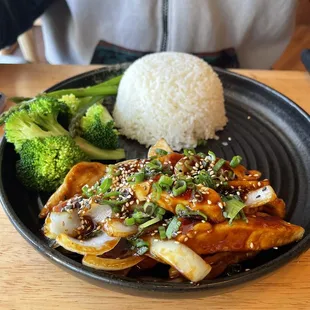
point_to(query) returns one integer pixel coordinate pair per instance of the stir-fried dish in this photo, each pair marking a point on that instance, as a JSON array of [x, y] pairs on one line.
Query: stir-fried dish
[[194, 212]]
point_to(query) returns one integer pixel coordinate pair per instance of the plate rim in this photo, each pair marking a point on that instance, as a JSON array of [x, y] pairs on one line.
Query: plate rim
[[162, 287]]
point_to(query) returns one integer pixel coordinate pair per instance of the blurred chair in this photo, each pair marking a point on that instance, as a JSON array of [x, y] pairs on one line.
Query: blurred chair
[[27, 45]]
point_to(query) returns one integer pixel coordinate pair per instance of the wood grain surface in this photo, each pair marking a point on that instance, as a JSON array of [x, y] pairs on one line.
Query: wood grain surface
[[29, 281]]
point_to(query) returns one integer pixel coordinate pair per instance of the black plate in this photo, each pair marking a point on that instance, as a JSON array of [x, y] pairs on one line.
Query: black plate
[[268, 130]]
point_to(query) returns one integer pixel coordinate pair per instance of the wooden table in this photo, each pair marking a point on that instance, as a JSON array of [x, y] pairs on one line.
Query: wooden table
[[29, 281]]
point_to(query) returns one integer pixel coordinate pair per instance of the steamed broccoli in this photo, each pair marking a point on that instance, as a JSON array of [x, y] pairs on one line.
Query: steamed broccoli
[[39, 119], [72, 102], [76, 105], [98, 127], [44, 144], [44, 162]]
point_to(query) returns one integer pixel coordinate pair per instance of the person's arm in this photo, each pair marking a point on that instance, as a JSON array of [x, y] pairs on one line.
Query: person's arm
[[17, 16]]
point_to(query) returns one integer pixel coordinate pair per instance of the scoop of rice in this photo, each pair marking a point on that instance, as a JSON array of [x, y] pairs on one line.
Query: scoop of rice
[[170, 95]]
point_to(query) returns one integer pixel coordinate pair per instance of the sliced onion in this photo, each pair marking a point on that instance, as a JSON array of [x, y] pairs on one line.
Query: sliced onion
[[99, 213], [116, 228], [173, 273], [141, 190], [181, 257], [260, 196], [160, 144], [110, 263], [61, 222], [95, 246]]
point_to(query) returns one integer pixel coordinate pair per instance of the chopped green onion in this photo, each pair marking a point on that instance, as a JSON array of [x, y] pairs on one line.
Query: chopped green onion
[[139, 215], [212, 156], [162, 232], [219, 164], [105, 185], [141, 246], [141, 220], [165, 181], [155, 165], [179, 187], [236, 160], [202, 155], [173, 227], [149, 223], [129, 221], [87, 191], [232, 208], [111, 194], [156, 191], [161, 152], [160, 212], [190, 184], [199, 213], [189, 152], [113, 170], [136, 178], [140, 242], [180, 209], [113, 202], [142, 250], [149, 208], [204, 178]]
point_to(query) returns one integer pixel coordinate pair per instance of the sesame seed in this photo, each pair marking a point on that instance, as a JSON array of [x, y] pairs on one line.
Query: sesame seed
[[203, 221], [185, 239], [137, 201], [225, 143], [229, 138], [249, 117], [176, 242], [155, 240], [259, 183], [220, 205], [251, 245], [209, 202]]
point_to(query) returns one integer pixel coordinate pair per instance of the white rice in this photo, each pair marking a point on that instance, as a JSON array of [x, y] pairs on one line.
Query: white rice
[[170, 95]]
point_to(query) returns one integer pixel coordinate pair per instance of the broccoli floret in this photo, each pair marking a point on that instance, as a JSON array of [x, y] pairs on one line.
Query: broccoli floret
[[75, 104], [72, 102], [98, 127], [39, 119], [46, 149], [36, 120], [44, 162]]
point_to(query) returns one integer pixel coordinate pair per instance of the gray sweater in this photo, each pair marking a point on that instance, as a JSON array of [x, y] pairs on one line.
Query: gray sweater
[[256, 32]]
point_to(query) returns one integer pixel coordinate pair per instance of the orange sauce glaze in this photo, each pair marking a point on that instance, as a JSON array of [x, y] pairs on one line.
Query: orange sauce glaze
[[261, 232]]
